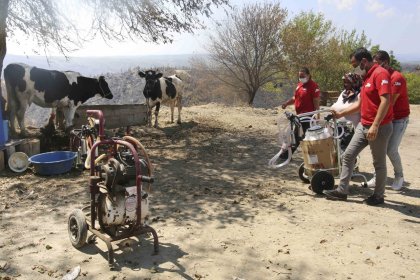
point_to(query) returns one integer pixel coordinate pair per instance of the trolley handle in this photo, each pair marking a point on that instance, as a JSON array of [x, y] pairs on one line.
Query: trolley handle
[[147, 179]]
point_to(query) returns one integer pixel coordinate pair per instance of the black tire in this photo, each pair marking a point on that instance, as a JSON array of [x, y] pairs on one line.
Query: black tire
[[322, 180], [302, 174], [77, 228]]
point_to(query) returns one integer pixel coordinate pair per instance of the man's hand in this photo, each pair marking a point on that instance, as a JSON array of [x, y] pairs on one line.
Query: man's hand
[[372, 133], [336, 114], [284, 105]]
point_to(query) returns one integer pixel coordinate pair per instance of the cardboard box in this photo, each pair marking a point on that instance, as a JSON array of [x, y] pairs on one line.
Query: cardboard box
[[319, 154]]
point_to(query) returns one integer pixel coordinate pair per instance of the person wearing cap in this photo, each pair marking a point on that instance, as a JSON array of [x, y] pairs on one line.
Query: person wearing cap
[[352, 84], [374, 129], [306, 99], [401, 109]]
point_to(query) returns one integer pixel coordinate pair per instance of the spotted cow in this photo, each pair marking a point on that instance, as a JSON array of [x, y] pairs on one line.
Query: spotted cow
[[49, 89], [165, 90]]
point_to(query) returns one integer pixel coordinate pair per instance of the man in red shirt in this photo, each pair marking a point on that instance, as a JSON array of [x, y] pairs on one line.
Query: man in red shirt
[[374, 129], [306, 99], [401, 108]]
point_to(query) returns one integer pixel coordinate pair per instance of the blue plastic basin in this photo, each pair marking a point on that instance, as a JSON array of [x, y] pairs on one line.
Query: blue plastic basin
[[53, 163]]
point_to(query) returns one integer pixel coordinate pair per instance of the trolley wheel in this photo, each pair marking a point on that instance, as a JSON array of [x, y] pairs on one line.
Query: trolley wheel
[[322, 180], [77, 228], [302, 174]]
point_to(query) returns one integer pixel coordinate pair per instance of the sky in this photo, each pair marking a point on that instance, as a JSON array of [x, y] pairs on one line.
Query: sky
[[394, 25]]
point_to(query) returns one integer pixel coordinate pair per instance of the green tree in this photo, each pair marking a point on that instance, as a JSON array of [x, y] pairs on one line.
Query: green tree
[[312, 41], [393, 62], [247, 50], [413, 87], [45, 21]]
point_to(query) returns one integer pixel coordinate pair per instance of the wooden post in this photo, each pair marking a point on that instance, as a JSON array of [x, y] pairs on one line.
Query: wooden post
[[2, 164]]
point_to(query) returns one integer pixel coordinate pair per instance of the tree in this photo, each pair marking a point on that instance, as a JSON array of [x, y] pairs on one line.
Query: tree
[[152, 21], [413, 87], [312, 41], [247, 50], [393, 62]]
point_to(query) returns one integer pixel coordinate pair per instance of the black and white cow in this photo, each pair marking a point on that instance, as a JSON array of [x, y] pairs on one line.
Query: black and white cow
[[165, 90], [49, 89]]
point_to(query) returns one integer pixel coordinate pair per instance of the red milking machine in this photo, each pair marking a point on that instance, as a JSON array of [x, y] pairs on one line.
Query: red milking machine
[[118, 202]]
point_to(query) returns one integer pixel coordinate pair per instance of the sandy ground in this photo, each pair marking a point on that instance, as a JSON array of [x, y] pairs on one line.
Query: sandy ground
[[220, 213]]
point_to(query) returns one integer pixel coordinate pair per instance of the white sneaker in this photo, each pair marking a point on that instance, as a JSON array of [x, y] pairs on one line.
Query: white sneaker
[[371, 183], [398, 183]]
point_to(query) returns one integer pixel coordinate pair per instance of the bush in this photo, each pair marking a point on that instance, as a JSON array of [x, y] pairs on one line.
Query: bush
[[413, 87]]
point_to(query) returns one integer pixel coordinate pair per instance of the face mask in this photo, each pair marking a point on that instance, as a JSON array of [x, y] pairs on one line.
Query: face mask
[[359, 71], [303, 80]]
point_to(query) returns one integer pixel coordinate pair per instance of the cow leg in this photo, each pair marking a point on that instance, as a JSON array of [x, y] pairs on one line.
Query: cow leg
[[21, 120], [11, 106], [149, 113], [20, 113], [156, 114], [69, 113], [179, 105], [172, 105], [60, 119]]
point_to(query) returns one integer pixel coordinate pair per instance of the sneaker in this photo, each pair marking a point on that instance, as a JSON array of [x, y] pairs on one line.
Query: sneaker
[[371, 183], [335, 195], [397, 184], [373, 200]]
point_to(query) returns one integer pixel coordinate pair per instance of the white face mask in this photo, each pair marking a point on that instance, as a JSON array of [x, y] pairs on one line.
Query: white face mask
[[359, 71], [303, 80]]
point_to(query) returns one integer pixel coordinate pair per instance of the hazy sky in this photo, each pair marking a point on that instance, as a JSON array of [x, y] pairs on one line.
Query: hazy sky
[[395, 25]]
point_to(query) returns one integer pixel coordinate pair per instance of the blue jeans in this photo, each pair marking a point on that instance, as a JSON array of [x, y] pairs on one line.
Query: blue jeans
[[378, 148], [399, 127]]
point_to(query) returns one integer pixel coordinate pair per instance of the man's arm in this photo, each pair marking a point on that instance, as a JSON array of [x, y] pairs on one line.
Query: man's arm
[[394, 98], [353, 108], [316, 103], [382, 111], [288, 102]]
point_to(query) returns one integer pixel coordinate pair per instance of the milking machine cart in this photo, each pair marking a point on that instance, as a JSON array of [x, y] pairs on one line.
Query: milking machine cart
[[322, 145], [119, 168]]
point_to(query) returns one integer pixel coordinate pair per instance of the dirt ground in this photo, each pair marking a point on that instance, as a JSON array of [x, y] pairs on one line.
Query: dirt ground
[[220, 213]]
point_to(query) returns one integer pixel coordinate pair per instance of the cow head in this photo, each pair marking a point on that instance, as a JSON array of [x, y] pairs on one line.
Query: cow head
[[152, 78], [104, 88]]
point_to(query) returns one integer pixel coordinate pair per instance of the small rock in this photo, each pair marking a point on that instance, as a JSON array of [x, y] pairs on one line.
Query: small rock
[[48, 247]]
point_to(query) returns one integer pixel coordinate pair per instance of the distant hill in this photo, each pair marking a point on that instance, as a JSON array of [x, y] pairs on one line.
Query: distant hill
[[94, 66]]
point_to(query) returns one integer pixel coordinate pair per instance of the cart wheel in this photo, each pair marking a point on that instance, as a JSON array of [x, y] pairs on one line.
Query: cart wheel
[[302, 174], [322, 180], [77, 228]]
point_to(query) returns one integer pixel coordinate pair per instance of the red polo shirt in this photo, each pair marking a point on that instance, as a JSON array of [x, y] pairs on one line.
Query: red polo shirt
[[304, 96], [399, 86], [375, 84]]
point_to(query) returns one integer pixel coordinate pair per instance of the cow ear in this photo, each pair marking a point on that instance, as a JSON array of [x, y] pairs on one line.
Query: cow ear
[[101, 78], [159, 75], [142, 74]]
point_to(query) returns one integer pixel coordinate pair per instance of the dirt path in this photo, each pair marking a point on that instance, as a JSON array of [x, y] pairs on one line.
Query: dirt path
[[220, 213]]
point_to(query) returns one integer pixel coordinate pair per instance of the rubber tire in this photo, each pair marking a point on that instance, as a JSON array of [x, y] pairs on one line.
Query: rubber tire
[[77, 228], [322, 180], [302, 175]]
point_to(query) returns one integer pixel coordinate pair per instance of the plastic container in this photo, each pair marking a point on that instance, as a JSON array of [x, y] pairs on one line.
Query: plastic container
[[53, 163], [4, 131], [317, 133], [18, 162]]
